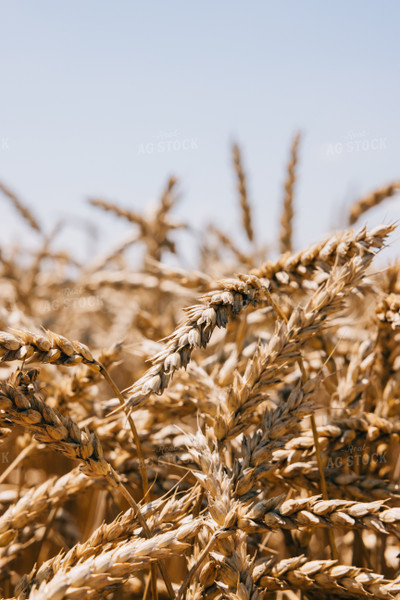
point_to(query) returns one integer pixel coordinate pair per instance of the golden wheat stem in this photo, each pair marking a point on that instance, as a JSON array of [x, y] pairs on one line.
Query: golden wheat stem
[[286, 231], [242, 188], [25, 452], [203, 555], [115, 481], [315, 436], [323, 483], [21, 208], [364, 204], [142, 468], [145, 484]]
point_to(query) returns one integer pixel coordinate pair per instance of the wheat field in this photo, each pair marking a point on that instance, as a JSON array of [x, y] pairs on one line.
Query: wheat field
[[226, 432]]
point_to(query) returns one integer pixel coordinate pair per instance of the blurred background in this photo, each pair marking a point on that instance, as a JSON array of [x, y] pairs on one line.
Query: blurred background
[[109, 99]]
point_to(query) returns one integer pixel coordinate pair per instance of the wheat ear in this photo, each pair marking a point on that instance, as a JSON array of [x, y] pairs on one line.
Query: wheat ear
[[364, 204], [286, 231], [21, 208], [242, 189]]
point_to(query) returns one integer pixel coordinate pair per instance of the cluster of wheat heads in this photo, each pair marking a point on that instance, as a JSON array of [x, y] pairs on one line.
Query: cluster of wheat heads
[[226, 432]]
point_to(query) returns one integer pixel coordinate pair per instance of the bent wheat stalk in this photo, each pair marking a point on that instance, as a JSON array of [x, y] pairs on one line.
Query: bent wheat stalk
[[364, 204], [23, 210]]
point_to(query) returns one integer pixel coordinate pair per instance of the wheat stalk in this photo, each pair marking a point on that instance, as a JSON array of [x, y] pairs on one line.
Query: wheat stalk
[[234, 296], [325, 576], [48, 348], [23, 210], [293, 271], [364, 204], [22, 405], [37, 500], [286, 231], [242, 189], [113, 566]]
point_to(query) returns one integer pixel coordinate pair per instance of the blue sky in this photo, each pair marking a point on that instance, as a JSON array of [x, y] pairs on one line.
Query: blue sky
[[89, 89]]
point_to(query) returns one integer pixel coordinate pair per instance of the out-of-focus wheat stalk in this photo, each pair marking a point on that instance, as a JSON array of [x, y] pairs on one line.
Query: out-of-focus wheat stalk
[[242, 189], [364, 204], [24, 211], [286, 231]]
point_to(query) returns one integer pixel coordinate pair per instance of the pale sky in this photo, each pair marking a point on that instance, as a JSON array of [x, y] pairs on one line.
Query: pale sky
[[110, 98]]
